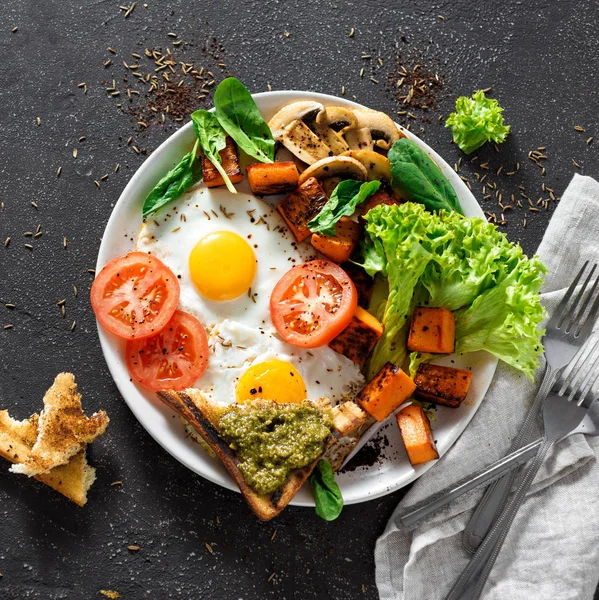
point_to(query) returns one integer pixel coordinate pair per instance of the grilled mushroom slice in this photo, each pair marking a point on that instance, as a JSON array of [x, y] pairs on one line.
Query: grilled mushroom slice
[[374, 128], [302, 111], [299, 139], [335, 166], [377, 166], [331, 124]]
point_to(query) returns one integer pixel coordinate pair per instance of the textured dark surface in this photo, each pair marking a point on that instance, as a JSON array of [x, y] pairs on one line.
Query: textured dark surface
[[540, 59]]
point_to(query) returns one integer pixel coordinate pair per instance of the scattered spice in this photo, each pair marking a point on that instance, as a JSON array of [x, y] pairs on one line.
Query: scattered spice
[[110, 594], [209, 547], [369, 454], [415, 84]]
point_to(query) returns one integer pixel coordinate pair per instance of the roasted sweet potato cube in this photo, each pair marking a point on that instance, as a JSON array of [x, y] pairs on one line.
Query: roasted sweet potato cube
[[432, 330], [388, 390], [230, 163], [340, 247], [363, 282], [266, 179], [302, 206], [357, 340], [378, 198], [442, 385], [417, 435]]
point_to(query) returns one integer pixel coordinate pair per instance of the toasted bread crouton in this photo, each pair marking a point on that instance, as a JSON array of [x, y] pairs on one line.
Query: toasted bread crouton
[[64, 428], [72, 480]]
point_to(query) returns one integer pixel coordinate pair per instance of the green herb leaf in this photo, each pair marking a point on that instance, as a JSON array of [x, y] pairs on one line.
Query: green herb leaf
[[327, 495], [212, 140], [466, 266], [416, 177], [342, 203], [239, 116], [477, 120], [174, 183]]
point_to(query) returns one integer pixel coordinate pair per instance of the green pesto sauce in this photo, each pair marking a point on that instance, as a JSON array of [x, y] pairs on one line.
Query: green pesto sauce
[[273, 439]]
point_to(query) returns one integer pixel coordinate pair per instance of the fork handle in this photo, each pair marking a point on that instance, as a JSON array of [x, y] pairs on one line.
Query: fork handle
[[495, 498], [471, 582], [433, 503]]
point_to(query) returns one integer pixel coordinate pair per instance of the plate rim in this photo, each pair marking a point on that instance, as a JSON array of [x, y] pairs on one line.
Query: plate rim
[[107, 341]]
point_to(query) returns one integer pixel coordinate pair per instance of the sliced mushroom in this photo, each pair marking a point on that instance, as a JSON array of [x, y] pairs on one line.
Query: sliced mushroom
[[296, 111], [377, 166], [335, 166], [339, 118], [299, 139], [374, 128]]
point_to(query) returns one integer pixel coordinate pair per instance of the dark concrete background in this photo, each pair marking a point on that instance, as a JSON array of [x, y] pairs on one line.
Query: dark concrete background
[[540, 59]]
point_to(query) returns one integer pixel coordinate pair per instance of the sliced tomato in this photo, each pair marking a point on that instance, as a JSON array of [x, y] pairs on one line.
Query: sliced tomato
[[172, 359], [313, 303], [135, 296]]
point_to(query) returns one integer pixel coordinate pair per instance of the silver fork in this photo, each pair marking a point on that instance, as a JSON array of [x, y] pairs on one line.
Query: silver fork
[[566, 331], [563, 410]]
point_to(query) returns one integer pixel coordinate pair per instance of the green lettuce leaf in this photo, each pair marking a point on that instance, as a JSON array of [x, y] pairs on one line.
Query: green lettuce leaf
[[464, 265], [477, 120], [342, 203], [416, 177]]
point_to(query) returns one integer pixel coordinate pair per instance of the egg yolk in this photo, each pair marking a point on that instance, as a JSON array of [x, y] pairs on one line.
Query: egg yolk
[[222, 266], [275, 380]]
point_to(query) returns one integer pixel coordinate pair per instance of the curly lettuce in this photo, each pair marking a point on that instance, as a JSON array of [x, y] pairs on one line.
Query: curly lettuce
[[462, 264], [477, 120]]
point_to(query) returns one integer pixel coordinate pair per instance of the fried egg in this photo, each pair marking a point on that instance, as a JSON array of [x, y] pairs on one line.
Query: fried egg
[[228, 252]]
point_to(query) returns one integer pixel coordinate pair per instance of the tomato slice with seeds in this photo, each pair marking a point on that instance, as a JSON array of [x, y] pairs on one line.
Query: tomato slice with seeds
[[135, 296], [172, 359], [313, 303]]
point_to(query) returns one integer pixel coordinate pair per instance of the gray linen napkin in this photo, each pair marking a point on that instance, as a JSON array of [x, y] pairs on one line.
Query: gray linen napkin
[[552, 550]]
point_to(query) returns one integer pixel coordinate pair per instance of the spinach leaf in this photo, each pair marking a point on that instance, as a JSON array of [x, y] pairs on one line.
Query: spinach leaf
[[174, 183], [342, 203], [327, 495], [239, 116], [417, 178], [212, 139]]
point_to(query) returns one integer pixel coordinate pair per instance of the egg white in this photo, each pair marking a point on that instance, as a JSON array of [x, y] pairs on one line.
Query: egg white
[[240, 330]]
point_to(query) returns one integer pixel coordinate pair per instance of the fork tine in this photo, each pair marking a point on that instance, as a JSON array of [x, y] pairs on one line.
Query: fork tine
[[581, 372], [574, 314], [587, 384], [568, 380], [559, 312], [586, 327]]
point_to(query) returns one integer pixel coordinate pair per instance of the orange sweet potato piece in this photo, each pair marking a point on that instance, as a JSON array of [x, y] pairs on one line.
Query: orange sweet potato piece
[[388, 390], [363, 282], [432, 330], [442, 385], [266, 179], [416, 433], [230, 163], [302, 206], [380, 197], [339, 248], [357, 340]]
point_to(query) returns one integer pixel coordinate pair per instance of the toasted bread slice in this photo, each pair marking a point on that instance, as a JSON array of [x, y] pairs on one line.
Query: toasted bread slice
[[64, 429], [349, 423], [72, 480], [203, 415]]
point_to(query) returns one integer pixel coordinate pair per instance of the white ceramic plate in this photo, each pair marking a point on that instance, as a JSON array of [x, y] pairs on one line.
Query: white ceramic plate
[[393, 470]]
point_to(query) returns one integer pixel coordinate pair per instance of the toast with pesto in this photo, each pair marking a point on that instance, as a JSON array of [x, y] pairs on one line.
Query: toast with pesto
[[259, 448]]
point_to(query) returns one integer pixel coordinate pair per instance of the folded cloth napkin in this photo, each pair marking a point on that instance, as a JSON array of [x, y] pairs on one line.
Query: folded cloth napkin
[[552, 549]]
